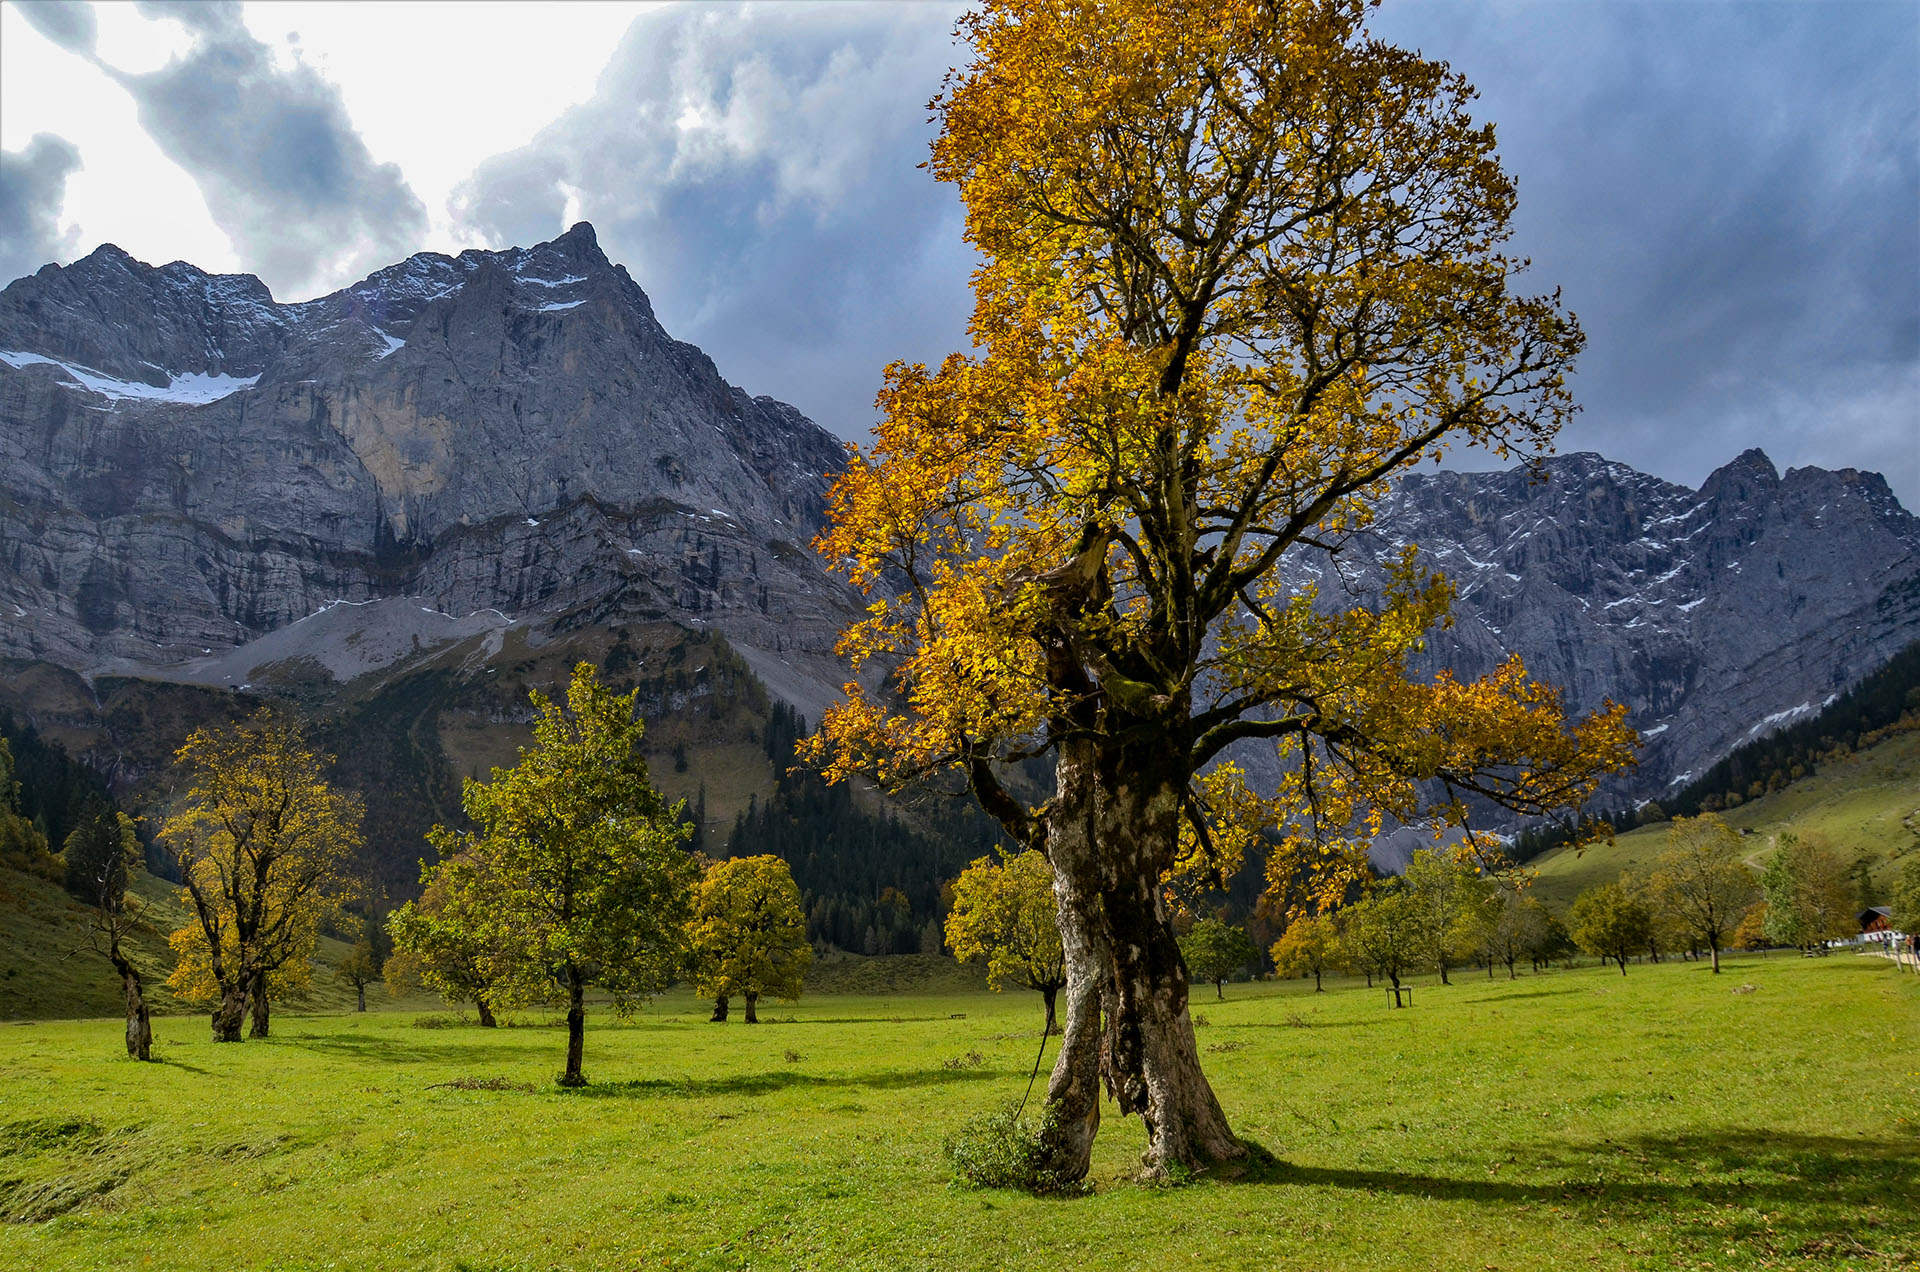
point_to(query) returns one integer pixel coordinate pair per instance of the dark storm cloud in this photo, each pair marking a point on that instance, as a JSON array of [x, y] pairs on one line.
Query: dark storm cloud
[[68, 23], [1729, 195], [33, 185], [274, 153], [756, 170]]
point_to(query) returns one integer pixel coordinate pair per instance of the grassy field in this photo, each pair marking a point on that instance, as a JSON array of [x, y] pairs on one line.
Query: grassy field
[[1867, 804], [1765, 1118]]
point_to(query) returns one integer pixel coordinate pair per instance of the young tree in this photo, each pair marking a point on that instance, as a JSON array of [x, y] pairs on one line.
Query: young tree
[[445, 940], [1214, 950], [1809, 900], [1751, 932], [1386, 932], [1241, 265], [1449, 893], [1702, 881], [359, 969], [1516, 928], [1906, 897], [1307, 947], [749, 933], [1003, 913], [101, 853], [1608, 922], [265, 847], [586, 878]]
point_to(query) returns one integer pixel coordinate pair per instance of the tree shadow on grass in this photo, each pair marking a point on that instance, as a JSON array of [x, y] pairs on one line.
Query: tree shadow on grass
[[781, 1080], [378, 1049], [1788, 1193], [1307, 1023], [1529, 993]]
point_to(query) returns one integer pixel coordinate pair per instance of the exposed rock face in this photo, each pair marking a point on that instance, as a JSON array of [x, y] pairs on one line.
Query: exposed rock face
[[193, 476], [190, 465], [1716, 615]]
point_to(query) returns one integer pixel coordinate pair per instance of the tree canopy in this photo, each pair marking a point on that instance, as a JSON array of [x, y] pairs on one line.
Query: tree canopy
[[1003, 914], [576, 869], [1307, 948], [1702, 881], [1609, 921], [1214, 950], [1242, 264], [265, 847], [1808, 898], [749, 932]]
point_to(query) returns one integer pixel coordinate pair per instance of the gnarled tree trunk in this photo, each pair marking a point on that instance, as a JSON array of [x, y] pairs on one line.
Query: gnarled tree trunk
[[1153, 1060], [719, 1010], [257, 997], [485, 1009], [139, 1021], [1073, 1089], [576, 1027], [231, 1010]]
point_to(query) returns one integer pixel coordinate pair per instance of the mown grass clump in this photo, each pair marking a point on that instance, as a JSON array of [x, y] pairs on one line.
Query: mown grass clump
[[1003, 1149]]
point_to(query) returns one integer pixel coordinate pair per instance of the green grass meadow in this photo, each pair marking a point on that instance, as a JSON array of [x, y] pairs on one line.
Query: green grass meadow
[[1764, 1118]]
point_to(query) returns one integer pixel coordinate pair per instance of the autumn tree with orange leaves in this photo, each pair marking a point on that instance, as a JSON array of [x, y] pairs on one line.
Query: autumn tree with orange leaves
[[1242, 264]]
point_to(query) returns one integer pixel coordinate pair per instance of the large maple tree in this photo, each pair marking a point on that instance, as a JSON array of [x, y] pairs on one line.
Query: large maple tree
[[1241, 264]]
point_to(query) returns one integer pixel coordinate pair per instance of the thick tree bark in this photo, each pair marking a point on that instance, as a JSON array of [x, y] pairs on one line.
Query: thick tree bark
[[139, 1021], [257, 999], [751, 1000], [1153, 1060], [486, 1012], [231, 1011], [719, 1010], [576, 1027], [1073, 1088]]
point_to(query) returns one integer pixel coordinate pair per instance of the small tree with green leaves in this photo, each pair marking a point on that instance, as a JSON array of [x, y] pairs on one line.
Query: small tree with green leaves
[[1307, 947], [1609, 922], [445, 939], [1809, 899], [749, 933], [359, 969], [1516, 928], [1702, 882], [1003, 915], [1447, 894], [1906, 897], [1387, 934], [1214, 950], [586, 878]]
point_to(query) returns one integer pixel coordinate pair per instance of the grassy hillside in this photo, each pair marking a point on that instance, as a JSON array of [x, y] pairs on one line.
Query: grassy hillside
[[1666, 1119], [1866, 804], [49, 971]]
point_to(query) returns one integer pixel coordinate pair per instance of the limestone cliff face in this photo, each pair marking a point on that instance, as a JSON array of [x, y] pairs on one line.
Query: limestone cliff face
[[194, 476], [1715, 614], [190, 465]]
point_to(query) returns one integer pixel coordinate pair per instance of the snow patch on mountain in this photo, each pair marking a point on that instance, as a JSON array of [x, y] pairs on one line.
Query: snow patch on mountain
[[192, 389]]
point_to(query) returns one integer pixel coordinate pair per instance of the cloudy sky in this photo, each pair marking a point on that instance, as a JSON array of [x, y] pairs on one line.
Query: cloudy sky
[[1727, 192]]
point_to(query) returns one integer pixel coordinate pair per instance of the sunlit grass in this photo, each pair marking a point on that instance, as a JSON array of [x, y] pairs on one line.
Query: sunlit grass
[[1668, 1118]]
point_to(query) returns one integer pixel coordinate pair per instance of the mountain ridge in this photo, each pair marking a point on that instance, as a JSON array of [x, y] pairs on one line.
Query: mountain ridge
[[505, 450]]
